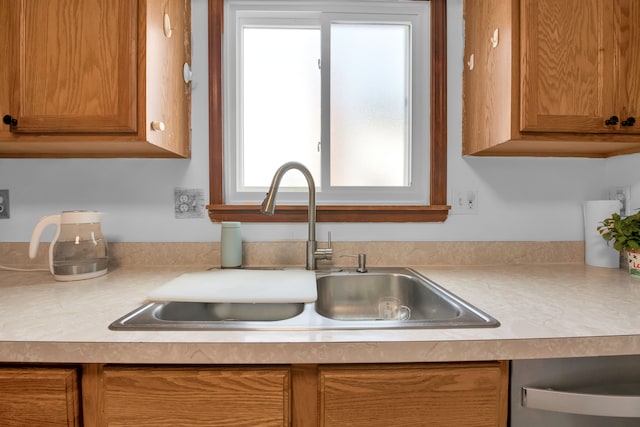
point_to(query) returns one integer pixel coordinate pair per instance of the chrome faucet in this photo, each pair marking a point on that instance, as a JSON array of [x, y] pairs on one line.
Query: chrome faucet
[[269, 206]]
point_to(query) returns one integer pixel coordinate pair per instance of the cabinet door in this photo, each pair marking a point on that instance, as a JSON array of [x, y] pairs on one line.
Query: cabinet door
[[627, 18], [145, 396], [39, 396], [73, 66], [414, 395], [567, 60]]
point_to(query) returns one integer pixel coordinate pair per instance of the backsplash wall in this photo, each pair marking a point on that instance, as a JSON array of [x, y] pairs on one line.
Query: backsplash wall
[[519, 199], [270, 254]]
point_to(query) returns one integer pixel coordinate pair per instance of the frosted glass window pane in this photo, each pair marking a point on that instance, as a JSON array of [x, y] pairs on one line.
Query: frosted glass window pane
[[370, 105], [281, 104]]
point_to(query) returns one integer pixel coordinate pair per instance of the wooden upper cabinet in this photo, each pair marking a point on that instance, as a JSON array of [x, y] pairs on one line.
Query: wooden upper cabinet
[[75, 75], [95, 78], [568, 81], [627, 35], [559, 79]]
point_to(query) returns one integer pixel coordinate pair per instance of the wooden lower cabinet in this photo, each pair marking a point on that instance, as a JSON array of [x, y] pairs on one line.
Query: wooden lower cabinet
[[186, 396], [419, 394], [464, 394], [39, 396]]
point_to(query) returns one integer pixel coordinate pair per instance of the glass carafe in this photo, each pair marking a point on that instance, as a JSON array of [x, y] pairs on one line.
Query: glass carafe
[[78, 250]]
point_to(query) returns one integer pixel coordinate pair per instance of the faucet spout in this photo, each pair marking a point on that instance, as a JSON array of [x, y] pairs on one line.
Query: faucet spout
[[269, 205]]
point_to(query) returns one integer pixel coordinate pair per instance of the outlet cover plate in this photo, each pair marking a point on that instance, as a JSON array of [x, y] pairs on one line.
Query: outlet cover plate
[[622, 193], [464, 201], [4, 204], [189, 203]]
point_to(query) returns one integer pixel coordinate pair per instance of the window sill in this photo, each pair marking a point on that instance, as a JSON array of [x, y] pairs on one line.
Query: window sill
[[298, 213]]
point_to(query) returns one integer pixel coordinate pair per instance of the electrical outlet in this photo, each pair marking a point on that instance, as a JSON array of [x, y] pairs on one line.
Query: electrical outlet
[[189, 202], [623, 194], [464, 202], [4, 204]]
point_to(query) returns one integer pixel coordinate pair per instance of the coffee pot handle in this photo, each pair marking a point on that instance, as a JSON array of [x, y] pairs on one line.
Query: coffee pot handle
[[37, 232]]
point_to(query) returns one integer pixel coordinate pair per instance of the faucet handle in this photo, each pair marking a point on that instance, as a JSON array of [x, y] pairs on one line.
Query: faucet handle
[[325, 253], [329, 246]]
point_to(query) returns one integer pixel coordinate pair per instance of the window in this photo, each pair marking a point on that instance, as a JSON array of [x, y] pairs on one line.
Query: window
[[332, 89], [313, 49]]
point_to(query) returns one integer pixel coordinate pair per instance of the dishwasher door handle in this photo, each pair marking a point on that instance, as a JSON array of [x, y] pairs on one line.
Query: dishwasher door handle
[[597, 403]]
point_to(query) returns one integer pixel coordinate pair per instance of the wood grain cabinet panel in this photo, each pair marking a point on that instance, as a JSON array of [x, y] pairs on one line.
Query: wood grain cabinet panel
[[166, 396], [420, 394], [551, 77], [75, 75], [31, 396], [473, 394], [95, 78], [568, 80]]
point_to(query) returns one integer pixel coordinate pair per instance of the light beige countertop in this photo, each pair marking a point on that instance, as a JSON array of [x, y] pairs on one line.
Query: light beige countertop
[[545, 310]]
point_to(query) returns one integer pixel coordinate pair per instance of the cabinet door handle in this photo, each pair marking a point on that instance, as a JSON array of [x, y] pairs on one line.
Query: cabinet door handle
[[629, 122], [611, 121], [607, 402], [8, 120]]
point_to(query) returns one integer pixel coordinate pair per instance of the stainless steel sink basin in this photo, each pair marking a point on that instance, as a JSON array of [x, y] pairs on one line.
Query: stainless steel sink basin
[[383, 296], [217, 312], [379, 299]]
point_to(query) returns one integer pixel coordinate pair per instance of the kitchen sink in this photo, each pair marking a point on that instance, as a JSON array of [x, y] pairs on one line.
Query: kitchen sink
[[224, 311], [381, 298]]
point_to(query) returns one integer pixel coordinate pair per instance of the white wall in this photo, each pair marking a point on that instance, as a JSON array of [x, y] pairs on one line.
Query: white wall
[[519, 198]]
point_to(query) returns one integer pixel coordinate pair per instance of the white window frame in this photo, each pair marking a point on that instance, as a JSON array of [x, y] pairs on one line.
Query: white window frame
[[417, 14]]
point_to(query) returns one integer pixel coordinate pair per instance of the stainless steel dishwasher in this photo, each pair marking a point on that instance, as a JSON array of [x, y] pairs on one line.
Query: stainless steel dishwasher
[[576, 392]]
